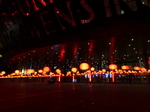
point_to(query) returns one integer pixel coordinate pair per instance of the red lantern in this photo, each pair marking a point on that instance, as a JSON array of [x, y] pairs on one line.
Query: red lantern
[[84, 66], [125, 67], [113, 66]]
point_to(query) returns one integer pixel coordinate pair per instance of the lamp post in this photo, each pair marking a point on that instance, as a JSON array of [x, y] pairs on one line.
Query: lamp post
[[90, 77], [58, 71], [113, 67], [74, 70], [84, 66], [124, 67]]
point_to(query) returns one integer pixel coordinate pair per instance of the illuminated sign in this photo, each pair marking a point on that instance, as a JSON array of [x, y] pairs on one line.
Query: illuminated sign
[[28, 20]]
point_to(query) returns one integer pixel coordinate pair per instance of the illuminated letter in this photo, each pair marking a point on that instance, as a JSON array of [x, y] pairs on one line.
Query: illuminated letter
[[34, 4], [45, 23], [34, 28], [107, 8], [89, 10], [28, 6], [70, 20], [51, 1]]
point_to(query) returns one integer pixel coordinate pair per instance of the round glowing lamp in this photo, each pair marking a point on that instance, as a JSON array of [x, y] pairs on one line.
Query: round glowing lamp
[[143, 69], [92, 68], [104, 70], [17, 71], [74, 70], [137, 68], [113, 66], [40, 71], [84, 66], [3, 72], [58, 71], [125, 67], [46, 69]]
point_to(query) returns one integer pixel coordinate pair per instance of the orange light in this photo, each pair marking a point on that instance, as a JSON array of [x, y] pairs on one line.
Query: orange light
[[143, 69], [46, 69], [17, 71], [113, 66], [137, 68], [40, 71], [125, 67], [74, 70], [84, 66], [103, 70], [58, 71], [3, 72], [92, 68]]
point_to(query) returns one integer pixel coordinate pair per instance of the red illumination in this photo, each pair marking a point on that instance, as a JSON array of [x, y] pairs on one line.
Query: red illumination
[[75, 50], [34, 4], [89, 10], [62, 52], [51, 1], [148, 61], [68, 19], [91, 49]]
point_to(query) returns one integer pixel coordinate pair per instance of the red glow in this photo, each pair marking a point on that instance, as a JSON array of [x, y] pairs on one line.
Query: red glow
[[51, 1], [89, 10], [148, 61], [91, 49], [62, 52], [112, 48], [75, 50], [34, 4]]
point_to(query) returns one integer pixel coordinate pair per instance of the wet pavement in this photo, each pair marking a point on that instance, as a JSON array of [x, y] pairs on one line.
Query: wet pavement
[[73, 97]]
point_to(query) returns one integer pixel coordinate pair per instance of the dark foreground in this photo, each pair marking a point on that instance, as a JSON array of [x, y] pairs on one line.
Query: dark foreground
[[73, 97]]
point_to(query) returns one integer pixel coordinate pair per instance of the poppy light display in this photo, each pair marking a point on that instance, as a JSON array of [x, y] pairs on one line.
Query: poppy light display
[[125, 67], [113, 67], [74, 70], [84, 66]]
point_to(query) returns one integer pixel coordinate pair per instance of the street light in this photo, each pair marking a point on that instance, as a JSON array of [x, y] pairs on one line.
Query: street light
[[74, 70], [113, 67]]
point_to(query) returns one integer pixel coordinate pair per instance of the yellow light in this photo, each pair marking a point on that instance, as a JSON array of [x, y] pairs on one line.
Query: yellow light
[[74, 70], [46, 69], [3, 72], [84, 66], [40, 71], [17, 71], [113, 66], [125, 67], [58, 71], [92, 68], [137, 68]]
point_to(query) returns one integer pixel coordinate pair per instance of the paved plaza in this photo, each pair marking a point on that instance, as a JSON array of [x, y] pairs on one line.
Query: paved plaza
[[73, 97]]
